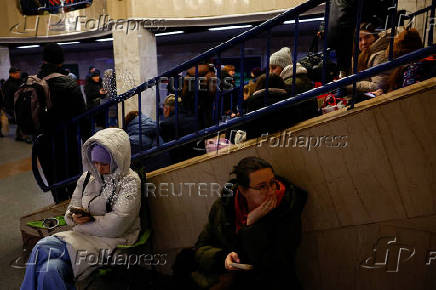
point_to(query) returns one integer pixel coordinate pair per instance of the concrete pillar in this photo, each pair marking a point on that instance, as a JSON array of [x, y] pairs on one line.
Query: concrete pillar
[[135, 58], [5, 62]]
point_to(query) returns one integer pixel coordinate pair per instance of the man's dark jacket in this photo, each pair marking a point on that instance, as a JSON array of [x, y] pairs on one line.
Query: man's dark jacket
[[92, 92], [270, 244], [66, 96], [65, 161], [9, 88]]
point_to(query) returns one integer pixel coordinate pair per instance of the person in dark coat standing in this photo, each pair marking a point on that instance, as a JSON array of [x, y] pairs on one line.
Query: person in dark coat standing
[[9, 88], [94, 90], [67, 102], [256, 221], [95, 93]]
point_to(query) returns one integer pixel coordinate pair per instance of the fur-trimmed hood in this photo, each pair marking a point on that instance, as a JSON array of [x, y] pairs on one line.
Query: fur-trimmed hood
[[382, 42]]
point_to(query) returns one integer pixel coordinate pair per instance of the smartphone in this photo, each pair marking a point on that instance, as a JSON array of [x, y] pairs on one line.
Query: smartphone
[[245, 267], [82, 212]]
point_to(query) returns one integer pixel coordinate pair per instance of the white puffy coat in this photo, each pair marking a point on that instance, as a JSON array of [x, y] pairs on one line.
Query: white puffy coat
[[122, 224]]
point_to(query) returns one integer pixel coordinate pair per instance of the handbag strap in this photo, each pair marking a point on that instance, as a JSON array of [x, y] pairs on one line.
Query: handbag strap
[[85, 182]]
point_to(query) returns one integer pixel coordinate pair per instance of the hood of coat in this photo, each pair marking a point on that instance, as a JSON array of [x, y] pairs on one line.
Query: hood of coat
[[148, 126], [381, 43], [116, 142], [288, 71]]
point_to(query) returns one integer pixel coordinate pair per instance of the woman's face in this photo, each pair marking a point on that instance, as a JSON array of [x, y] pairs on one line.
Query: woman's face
[[366, 38], [103, 168], [262, 185]]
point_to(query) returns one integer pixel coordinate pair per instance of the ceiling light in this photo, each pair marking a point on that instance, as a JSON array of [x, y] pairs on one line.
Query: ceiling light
[[169, 33], [229, 27], [28, 46], [104, 39], [66, 43], [304, 20]]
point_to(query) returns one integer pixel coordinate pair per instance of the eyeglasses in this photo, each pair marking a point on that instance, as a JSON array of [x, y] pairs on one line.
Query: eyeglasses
[[265, 187]]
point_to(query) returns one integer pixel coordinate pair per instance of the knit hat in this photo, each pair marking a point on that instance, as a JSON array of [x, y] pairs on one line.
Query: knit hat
[[281, 58], [100, 154], [95, 73], [53, 53]]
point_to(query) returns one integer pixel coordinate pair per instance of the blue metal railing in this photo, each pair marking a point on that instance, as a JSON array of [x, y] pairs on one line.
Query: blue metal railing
[[199, 133]]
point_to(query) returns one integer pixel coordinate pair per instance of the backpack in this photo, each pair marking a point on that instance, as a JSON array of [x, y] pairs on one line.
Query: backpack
[[313, 63], [31, 103]]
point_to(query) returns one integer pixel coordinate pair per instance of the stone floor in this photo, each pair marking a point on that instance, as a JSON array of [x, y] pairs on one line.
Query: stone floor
[[19, 195]]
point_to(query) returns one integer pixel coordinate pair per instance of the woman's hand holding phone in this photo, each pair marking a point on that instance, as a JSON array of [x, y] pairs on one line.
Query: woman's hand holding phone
[[81, 216]]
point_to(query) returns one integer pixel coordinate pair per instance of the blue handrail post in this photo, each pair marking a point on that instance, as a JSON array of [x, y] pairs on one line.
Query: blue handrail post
[[217, 106], [157, 80], [106, 118], [176, 94], [53, 158], [241, 86], [140, 118], [356, 49], [326, 29], [295, 54], [196, 82], [268, 53], [66, 153], [79, 145], [123, 113], [393, 24], [92, 125]]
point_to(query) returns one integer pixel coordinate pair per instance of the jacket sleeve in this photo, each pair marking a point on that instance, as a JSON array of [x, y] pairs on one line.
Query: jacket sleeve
[[376, 82], [124, 212], [208, 255], [76, 199], [274, 250], [91, 94]]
